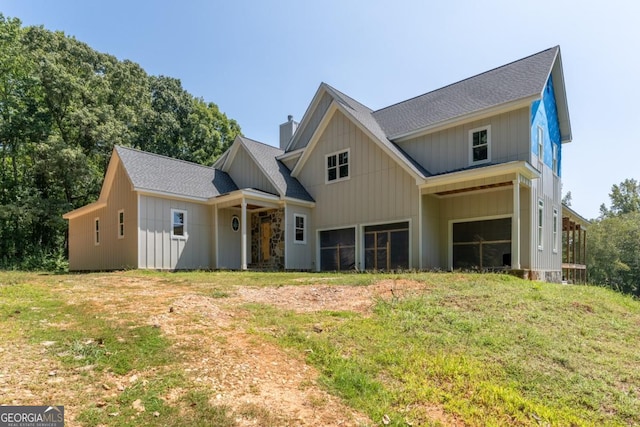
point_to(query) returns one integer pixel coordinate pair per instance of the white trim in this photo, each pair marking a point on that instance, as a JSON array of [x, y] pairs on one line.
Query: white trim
[[257, 164], [289, 154], [285, 209], [522, 167], [306, 117], [185, 234], [120, 224], [217, 233], [337, 166], [420, 228], [315, 137], [96, 231], [243, 237], [304, 228], [555, 164], [486, 128], [459, 220]]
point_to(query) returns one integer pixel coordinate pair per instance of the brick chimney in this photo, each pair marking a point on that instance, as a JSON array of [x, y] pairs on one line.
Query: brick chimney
[[287, 130]]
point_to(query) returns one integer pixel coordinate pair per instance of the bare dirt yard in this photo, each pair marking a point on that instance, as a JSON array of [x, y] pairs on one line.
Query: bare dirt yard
[[212, 342]]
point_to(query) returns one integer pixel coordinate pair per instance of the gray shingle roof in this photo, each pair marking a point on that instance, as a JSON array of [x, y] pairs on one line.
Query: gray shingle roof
[[512, 82], [153, 172], [266, 155]]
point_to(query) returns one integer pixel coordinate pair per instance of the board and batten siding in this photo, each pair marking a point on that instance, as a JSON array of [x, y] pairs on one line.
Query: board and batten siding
[[158, 250], [378, 190], [112, 253], [246, 174], [447, 150], [229, 241], [298, 256], [316, 116]]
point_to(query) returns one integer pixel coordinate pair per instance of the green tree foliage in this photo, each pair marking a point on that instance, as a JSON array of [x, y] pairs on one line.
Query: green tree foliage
[[63, 106], [614, 240]]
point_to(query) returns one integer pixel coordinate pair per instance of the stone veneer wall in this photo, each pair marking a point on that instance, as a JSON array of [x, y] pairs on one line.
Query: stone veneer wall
[[276, 218]]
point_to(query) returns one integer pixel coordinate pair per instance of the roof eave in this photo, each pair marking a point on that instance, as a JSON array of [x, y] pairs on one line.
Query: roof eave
[[458, 120], [521, 166], [84, 210]]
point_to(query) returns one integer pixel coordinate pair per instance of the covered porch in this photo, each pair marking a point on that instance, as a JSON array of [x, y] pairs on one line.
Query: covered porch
[[574, 246], [475, 218]]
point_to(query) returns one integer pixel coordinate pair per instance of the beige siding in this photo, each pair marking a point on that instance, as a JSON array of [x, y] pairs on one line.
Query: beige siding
[[448, 150], [158, 250], [314, 120], [290, 162], [246, 174], [112, 252], [299, 256], [378, 189]]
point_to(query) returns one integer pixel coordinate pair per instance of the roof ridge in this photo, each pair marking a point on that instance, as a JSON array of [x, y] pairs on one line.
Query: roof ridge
[[163, 156], [466, 79], [261, 143], [342, 94]]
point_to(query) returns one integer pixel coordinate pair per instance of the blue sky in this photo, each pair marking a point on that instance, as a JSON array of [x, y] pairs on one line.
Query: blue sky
[[262, 60]]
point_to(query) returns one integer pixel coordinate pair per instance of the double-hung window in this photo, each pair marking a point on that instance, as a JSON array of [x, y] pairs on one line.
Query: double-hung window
[[540, 224], [480, 145], [540, 148], [555, 230], [300, 231], [338, 166], [96, 231], [178, 224], [555, 159], [121, 224]]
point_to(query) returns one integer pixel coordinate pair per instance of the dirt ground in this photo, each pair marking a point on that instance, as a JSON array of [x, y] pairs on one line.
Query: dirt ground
[[216, 351]]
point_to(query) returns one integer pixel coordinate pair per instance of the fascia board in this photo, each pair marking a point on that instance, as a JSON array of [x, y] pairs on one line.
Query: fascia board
[[169, 195], [233, 150], [84, 210], [521, 167], [333, 107], [299, 202], [290, 154], [460, 120]]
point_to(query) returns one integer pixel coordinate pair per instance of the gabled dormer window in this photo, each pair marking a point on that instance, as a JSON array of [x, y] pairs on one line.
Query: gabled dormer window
[[337, 166], [480, 145]]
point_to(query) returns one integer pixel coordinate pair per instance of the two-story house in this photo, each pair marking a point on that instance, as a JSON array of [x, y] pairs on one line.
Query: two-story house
[[464, 177]]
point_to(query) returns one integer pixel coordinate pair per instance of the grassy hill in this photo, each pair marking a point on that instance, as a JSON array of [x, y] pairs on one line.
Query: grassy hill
[[432, 349]]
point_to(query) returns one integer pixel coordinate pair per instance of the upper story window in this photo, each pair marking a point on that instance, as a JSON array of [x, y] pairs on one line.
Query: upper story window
[[121, 224], [338, 166], [540, 147], [555, 230], [178, 224], [300, 231], [540, 224], [480, 145], [555, 159]]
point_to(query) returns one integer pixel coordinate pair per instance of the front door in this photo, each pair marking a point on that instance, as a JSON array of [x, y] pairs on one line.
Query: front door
[[265, 241]]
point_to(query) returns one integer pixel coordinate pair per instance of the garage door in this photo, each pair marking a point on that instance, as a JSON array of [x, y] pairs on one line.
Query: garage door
[[483, 245]]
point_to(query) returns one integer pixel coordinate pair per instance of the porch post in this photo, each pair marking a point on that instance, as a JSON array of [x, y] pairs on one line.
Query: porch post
[[515, 225], [243, 227]]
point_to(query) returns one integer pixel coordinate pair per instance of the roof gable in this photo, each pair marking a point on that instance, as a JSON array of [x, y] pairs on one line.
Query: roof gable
[[519, 81]]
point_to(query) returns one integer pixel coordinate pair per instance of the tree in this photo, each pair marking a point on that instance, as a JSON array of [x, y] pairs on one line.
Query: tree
[[614, 240]]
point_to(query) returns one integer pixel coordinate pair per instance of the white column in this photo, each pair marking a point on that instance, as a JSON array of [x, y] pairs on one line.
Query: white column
[[216, 232], [243, 227], [515, 225]]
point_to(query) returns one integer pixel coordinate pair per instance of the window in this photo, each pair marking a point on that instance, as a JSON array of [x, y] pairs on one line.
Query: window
[[235, 223], [121, 224], [555, 230], [540, 223], [96, 235], [555, 159], [299, 228], [480, 143], [338, 166], [178, 224], [540, 148]]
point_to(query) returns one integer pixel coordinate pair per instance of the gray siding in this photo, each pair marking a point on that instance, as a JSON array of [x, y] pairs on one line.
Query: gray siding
[[305, 134], [299, 256], [548, 190], [291, 161], [448, 149], [378, 190], [247, 174], [157, 250], [112, 253], [229, 241]]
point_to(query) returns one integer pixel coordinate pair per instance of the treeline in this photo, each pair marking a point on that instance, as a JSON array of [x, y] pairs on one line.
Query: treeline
[[63, 106], [613, 241]]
